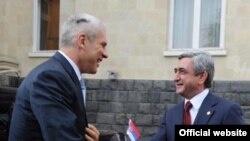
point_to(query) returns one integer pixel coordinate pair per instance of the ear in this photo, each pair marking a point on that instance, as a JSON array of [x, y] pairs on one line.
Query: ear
[[203, 77], [81, 40]]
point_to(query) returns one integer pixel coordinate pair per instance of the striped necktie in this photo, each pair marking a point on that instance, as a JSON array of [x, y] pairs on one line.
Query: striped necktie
[[83, 87]]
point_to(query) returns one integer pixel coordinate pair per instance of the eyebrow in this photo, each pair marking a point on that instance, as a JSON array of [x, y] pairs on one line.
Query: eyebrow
[[180, 69]]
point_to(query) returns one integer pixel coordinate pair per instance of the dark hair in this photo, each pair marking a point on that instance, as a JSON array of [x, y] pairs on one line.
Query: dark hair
[[202, 61]]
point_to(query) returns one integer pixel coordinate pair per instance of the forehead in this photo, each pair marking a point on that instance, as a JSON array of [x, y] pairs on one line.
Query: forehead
[[102, 37], [185, 63]]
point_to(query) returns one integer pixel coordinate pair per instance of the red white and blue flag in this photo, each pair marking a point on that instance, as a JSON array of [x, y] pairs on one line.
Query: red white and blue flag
[[132, 131]]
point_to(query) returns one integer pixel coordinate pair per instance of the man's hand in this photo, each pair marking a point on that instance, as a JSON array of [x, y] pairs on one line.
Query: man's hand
[[92, 134]]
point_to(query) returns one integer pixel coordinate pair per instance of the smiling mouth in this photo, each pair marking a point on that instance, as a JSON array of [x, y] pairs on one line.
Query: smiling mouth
[[99, 60], [178, 85]]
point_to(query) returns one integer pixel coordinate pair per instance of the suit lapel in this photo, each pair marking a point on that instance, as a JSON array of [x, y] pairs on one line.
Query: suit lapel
[[69, 69], [178, 117], [206, 110]]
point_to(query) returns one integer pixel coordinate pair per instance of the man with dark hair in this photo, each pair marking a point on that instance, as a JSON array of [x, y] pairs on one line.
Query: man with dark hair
[[193, 78]]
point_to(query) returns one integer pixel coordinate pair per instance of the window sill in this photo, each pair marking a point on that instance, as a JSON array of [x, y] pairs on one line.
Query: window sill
[[42, 54], [213, 52]]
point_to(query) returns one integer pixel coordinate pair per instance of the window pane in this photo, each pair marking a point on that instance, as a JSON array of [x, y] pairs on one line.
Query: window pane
[[43, 27], [210, 23], [49, 26], [183, 23]]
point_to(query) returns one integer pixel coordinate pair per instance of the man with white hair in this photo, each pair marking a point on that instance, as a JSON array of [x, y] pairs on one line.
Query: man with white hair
[[50, 104]]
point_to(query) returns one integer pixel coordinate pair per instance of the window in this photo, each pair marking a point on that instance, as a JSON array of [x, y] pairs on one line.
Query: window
[[196, 25], [49, 21], [46, 25]]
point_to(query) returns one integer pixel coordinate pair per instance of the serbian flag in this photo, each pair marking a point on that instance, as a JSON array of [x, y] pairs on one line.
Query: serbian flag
[[132, 131]]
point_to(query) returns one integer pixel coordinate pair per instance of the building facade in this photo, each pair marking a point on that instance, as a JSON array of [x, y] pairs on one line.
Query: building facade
[[144, 37]]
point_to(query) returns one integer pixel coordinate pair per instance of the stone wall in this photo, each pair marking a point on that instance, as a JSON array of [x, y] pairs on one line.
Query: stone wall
[[111, 103]]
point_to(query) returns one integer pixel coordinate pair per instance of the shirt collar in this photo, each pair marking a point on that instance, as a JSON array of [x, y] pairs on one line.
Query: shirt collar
[[198, 99], [73, 64]]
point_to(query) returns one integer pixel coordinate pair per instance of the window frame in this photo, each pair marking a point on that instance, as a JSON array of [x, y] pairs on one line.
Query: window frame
[[36, 51], [220, 51]]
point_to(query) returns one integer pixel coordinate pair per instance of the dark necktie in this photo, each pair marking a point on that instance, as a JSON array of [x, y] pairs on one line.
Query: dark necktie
[[186, 115], [83, 90]]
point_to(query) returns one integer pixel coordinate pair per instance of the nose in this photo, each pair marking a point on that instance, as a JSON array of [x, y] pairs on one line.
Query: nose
[[176, 76], [105, 54]]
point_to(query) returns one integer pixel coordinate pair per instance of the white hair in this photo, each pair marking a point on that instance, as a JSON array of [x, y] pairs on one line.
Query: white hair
[[78, 23]]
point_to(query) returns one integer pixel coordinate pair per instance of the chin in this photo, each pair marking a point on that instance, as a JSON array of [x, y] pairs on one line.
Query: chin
[[179, 92], [93, 71]]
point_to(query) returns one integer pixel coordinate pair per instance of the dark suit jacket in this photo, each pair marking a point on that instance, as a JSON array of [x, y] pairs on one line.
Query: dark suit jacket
[[49, 104], [222, 112]]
